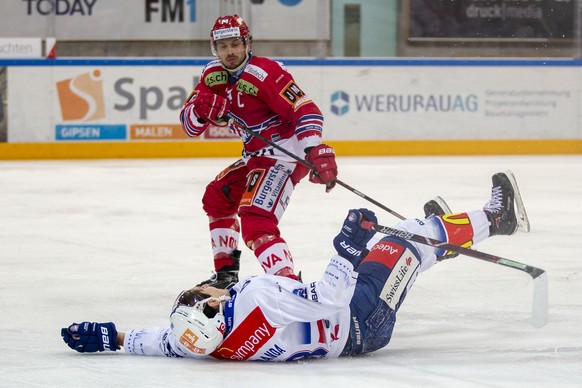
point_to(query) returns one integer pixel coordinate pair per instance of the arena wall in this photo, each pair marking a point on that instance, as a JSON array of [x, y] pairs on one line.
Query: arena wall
[[128, 108]]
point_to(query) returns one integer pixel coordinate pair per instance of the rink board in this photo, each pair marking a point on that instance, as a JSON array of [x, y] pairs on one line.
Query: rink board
[[103, 108]]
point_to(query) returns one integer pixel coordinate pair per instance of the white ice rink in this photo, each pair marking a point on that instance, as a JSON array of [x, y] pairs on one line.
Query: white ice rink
[[116, 240]]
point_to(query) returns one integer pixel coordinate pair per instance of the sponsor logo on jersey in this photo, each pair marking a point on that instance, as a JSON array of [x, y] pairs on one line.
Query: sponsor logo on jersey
[[253, 180], [301, 292], [403, 272], [248, 337], [313, 292], [282, 65], [257, 72], [272, 353], [271, 186], [216, 78], [246, 87], [385, 252], [294, 95]]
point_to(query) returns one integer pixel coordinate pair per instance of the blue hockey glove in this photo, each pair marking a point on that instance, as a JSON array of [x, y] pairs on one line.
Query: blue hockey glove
[[90, 337], [351, 242]]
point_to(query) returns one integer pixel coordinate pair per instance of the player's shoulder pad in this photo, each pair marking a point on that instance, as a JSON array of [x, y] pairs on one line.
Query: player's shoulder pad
[[262, 68], [212, 64], [268, 62], [214, 74]]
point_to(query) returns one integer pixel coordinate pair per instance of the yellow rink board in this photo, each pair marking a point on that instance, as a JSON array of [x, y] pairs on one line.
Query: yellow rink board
[[115, 150]]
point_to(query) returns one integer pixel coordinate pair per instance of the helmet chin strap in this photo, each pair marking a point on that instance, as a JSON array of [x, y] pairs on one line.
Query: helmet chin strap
[[199, 306]]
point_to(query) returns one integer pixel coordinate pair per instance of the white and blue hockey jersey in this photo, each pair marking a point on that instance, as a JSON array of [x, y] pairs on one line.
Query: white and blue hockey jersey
[[273, 318]]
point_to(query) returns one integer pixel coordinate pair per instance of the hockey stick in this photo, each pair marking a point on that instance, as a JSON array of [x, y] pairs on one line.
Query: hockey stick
[[539, 276], [310, 166], [540, 297]]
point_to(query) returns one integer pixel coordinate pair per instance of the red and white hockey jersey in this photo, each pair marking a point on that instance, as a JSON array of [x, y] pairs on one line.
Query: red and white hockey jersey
[[263, 97], [273, 318]]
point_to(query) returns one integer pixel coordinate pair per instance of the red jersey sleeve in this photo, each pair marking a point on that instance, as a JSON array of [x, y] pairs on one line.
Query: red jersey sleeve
[[282, 94], [213, 80]]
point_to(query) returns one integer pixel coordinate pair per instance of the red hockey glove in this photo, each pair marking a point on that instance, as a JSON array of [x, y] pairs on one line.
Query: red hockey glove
[[324, 170], [209, 106]]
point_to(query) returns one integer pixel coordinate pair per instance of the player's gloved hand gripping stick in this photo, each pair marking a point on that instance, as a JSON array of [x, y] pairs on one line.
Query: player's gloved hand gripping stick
[[314, 172], [351, 242], [540, 301]]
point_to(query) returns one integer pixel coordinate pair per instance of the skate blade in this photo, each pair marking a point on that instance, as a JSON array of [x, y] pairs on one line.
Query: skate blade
[[522, 218], [441, 202]]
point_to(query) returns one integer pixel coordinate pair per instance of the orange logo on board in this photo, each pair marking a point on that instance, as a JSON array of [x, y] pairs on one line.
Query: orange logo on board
[[81, 97]]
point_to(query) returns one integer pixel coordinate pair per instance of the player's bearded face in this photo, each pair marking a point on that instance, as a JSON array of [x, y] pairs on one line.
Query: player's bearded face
[[231, 52]]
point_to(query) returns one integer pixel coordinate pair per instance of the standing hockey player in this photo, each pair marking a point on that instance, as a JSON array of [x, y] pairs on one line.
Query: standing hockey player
[[257, 94], [351, 310]]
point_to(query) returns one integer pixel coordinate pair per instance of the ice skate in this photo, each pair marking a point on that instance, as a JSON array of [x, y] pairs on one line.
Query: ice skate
[[504, 210], [522, 218], [437, 206], [225, 277]]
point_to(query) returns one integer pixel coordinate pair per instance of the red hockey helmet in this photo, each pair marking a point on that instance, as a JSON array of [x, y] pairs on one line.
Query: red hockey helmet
[[231, 26]]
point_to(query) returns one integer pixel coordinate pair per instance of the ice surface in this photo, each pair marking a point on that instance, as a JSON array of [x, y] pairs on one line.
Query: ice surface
[[116, 240]]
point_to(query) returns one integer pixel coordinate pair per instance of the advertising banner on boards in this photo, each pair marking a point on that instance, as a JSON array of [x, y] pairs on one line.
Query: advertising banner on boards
[[125, 103], [16, 48]]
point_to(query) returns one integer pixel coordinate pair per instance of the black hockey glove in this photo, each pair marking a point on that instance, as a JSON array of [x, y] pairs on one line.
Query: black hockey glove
[[351, 242]]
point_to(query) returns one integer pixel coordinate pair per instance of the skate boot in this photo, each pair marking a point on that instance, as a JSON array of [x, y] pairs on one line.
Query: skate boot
[[438, 207], [227, 276], [505, 209]]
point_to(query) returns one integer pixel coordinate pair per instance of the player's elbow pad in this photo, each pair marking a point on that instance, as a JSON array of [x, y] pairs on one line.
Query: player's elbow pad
[[337, 285], [192, 125]]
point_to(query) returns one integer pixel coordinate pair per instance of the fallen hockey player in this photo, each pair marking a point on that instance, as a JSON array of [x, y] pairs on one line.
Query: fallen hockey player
[[351, 310]]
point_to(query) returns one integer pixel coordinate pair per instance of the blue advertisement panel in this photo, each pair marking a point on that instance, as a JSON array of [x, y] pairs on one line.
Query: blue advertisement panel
[[90, 132]]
